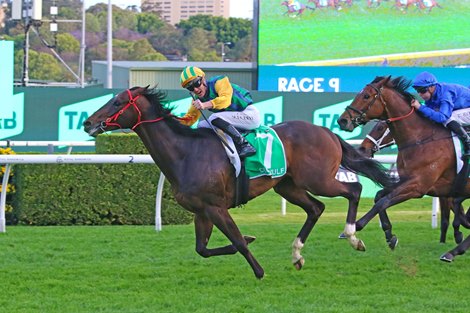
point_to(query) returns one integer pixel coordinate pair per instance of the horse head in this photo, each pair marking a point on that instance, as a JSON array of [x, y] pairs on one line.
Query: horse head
[[125, 110], [378, 138], [365, 106]]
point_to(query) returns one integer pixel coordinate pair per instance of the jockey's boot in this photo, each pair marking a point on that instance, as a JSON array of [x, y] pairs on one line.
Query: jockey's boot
[[243, 147], [463, 136]]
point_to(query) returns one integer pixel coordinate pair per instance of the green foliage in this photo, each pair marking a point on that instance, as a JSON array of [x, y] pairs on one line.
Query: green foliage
[[148, 23], [197, 39], [202, 51], [143, 50], [67, 43], [168, 40], [11, 188], [94, 194], [226, 30], [41, 65]]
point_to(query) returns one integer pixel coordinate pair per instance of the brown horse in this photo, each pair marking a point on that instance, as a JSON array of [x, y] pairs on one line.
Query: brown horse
[[293, 11], [426, 158], [203, 180], [380, 138], [404, 5]]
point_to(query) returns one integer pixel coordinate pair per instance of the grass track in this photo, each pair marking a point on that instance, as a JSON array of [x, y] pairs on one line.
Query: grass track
[[135, 269], [359, 31]]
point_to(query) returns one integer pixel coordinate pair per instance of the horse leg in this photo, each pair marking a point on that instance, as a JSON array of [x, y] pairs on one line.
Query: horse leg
[[445, 215], [458, 250], [459, 213], [399, 194], [392, 240], [203, 228], [314, 208], [353, 193], [224, 222]]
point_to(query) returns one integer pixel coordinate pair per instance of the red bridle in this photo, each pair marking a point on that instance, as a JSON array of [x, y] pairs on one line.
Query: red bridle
[[112, 121]]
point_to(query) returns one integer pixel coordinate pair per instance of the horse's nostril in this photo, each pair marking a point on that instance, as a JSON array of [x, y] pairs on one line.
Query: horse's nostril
[[86, 123]]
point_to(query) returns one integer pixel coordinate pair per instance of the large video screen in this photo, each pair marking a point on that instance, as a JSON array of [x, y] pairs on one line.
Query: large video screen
[[338, 45]]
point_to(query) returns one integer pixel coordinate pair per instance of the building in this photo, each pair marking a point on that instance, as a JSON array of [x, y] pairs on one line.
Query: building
[[166, 74], [173, 11]]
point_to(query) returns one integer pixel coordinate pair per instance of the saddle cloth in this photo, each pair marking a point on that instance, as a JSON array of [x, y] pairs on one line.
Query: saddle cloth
[[458, 151], [270, 158]]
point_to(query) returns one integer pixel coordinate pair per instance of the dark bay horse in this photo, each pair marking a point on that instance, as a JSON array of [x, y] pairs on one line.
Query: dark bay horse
[[426, 159], [380, 138], [203, 180]]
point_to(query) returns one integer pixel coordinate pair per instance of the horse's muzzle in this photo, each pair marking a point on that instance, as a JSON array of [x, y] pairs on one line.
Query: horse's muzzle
[[345, 124]]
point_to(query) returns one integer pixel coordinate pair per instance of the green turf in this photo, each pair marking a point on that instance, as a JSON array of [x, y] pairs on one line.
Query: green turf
[[360, 31], [135, 269]]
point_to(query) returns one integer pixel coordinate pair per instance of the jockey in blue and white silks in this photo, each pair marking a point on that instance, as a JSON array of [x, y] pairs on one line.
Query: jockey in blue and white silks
[[444, 103]]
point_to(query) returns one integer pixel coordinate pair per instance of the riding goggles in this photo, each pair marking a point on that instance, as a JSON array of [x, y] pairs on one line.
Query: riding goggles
[[195, 83], [421, 89]]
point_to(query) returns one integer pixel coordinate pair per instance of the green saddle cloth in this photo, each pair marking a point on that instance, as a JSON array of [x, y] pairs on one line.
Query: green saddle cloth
[[270, 158]]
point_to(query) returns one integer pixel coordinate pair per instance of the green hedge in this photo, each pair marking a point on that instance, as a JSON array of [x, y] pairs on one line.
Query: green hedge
[[94, 194]]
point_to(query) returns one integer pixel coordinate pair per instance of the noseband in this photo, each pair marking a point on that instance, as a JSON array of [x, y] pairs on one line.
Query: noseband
[[112, 121], [378, 142]]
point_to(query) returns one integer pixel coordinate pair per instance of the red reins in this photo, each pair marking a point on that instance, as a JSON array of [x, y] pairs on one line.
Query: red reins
[[394, 119], [111, 121]]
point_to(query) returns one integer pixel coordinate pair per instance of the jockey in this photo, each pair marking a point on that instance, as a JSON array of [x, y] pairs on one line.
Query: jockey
[[231, 106], [294, 4], [448, 104]]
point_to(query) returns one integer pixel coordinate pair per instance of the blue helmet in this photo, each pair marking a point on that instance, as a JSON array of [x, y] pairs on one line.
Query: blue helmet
[[424, 79]]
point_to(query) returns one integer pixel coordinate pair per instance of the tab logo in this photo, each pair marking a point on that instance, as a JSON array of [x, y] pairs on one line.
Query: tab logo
[[12, 112], [71, 118], [328, 117]]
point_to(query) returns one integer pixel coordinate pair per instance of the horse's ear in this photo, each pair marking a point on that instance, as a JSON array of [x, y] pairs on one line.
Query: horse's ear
[[385, 80]]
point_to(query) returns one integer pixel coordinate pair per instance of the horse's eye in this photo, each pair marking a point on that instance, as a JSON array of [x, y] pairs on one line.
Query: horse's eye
[[366, 96], [116, 103]]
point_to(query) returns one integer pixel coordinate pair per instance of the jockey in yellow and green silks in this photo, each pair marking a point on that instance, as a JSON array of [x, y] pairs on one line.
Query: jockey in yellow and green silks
[[231, 106]]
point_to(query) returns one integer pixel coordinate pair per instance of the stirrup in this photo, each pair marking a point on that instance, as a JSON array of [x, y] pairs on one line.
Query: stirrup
[[246, 150]]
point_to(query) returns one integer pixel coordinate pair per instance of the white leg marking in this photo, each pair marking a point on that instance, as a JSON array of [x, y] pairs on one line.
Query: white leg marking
[[297, 245]]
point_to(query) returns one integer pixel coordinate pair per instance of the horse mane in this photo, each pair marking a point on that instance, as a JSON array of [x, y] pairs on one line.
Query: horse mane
[[399, 84], [163, 108]]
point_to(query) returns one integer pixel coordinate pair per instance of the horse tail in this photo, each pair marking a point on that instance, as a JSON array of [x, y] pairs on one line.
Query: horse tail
[[354, 161]]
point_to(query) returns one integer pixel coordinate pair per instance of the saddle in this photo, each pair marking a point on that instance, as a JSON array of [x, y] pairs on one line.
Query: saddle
[[269, 159]]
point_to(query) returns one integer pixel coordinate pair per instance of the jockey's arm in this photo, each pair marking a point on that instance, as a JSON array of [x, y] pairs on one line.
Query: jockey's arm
[[225, 91]]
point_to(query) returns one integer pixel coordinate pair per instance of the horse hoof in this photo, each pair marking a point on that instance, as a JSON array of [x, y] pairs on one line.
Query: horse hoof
[[361, 246], [447, 257], [299, 263], [393, 242], [249, 239], [342, 236], [458, 238]]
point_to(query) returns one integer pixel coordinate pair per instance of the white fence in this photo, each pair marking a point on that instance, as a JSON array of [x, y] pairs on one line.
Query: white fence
[[8, 160]]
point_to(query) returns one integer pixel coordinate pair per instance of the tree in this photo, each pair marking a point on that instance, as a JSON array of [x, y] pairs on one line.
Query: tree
[[242, 50], [149, 23], [201, 45], [226, 30], [169, 41], [67, 43], [42, 66], [142, 50]]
